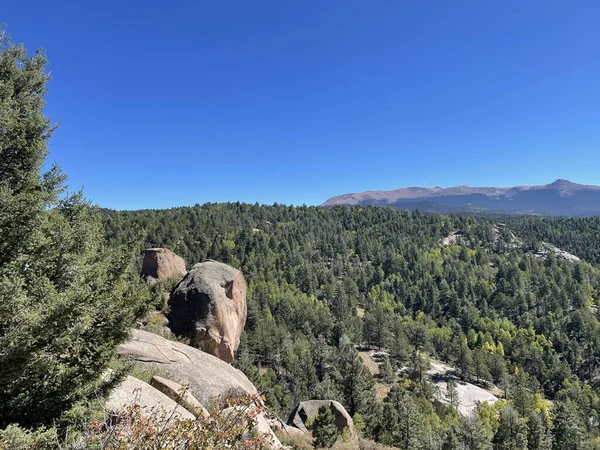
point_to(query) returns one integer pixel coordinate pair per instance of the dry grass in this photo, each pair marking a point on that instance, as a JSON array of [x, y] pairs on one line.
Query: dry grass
[[381, 389], [300, 442], [369, 363], [294, 441], [370, 445]]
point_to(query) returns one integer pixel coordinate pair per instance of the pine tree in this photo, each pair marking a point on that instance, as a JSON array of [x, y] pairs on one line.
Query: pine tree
[[462, 355], [66, 299], [356, 384], [480, 365], [512, 432], [324, 431], [519, 392], [321, 356], [538, 435], [452, 393], [474, 435], [409, 429], [399, 345], [451, 441], [387, 370], [568, 429]]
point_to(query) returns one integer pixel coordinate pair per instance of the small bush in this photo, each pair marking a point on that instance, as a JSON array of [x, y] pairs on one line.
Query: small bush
[[14, 437], [135, 428], [139, 429]]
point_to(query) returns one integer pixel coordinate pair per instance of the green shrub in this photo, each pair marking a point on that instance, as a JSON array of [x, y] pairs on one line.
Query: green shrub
[[15, 438]]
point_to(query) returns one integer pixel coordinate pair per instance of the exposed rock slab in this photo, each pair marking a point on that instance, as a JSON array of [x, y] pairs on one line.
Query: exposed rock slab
[[134, 391], [162, 264], [209, 307], [469, 395], [305, 410], [205, 375], [179, 394]]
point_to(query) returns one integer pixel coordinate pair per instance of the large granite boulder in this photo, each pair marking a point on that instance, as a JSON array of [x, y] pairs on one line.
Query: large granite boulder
[[133, 391], [208, 306], [305, 410], [204, 375], [162, 264]]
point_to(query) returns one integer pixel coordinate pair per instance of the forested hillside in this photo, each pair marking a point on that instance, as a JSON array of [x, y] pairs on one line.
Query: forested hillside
[[578, 236], [324, 281]]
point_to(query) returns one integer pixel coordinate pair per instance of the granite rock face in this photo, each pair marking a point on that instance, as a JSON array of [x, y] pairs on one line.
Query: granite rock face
[[162, 264], [188, 375], [204, 375], [180, 394], [208, 306], [134, 391]]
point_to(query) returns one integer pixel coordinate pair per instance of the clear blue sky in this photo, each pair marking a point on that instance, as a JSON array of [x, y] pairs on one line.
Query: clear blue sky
[[174, 103]]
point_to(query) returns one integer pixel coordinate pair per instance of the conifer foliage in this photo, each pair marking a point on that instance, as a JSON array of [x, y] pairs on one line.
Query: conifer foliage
[[66, 299], [325, 433]]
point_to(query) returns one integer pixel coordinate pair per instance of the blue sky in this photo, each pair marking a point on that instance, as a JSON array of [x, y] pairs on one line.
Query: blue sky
[[174, 103]]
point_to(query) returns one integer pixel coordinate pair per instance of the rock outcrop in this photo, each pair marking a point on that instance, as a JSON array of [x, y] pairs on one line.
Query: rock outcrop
[[162, 264], [204, 375], [134, 391], [209, 307], [180, 394], [305, 410]]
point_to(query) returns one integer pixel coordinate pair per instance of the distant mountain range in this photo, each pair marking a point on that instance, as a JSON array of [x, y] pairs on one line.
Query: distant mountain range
[[561, 198]]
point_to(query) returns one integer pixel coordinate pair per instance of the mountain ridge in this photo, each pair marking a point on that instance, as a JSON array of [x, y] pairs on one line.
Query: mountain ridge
[[561, 197]]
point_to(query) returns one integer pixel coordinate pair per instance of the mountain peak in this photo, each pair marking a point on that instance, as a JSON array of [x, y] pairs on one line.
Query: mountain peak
[[562, 197], [563, 182], [565, 187]]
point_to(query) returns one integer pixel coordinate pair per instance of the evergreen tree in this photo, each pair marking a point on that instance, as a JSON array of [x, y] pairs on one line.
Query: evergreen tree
[[451, 441], [399, 345], [322, 356], [324, 431], [519, 392], [408, 429], [538, 435], [480, 367], [66, 299], [387, 370], [356, 382], [462, 355], [452, 393], [568, 429], [512, 432], [474, 435]]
